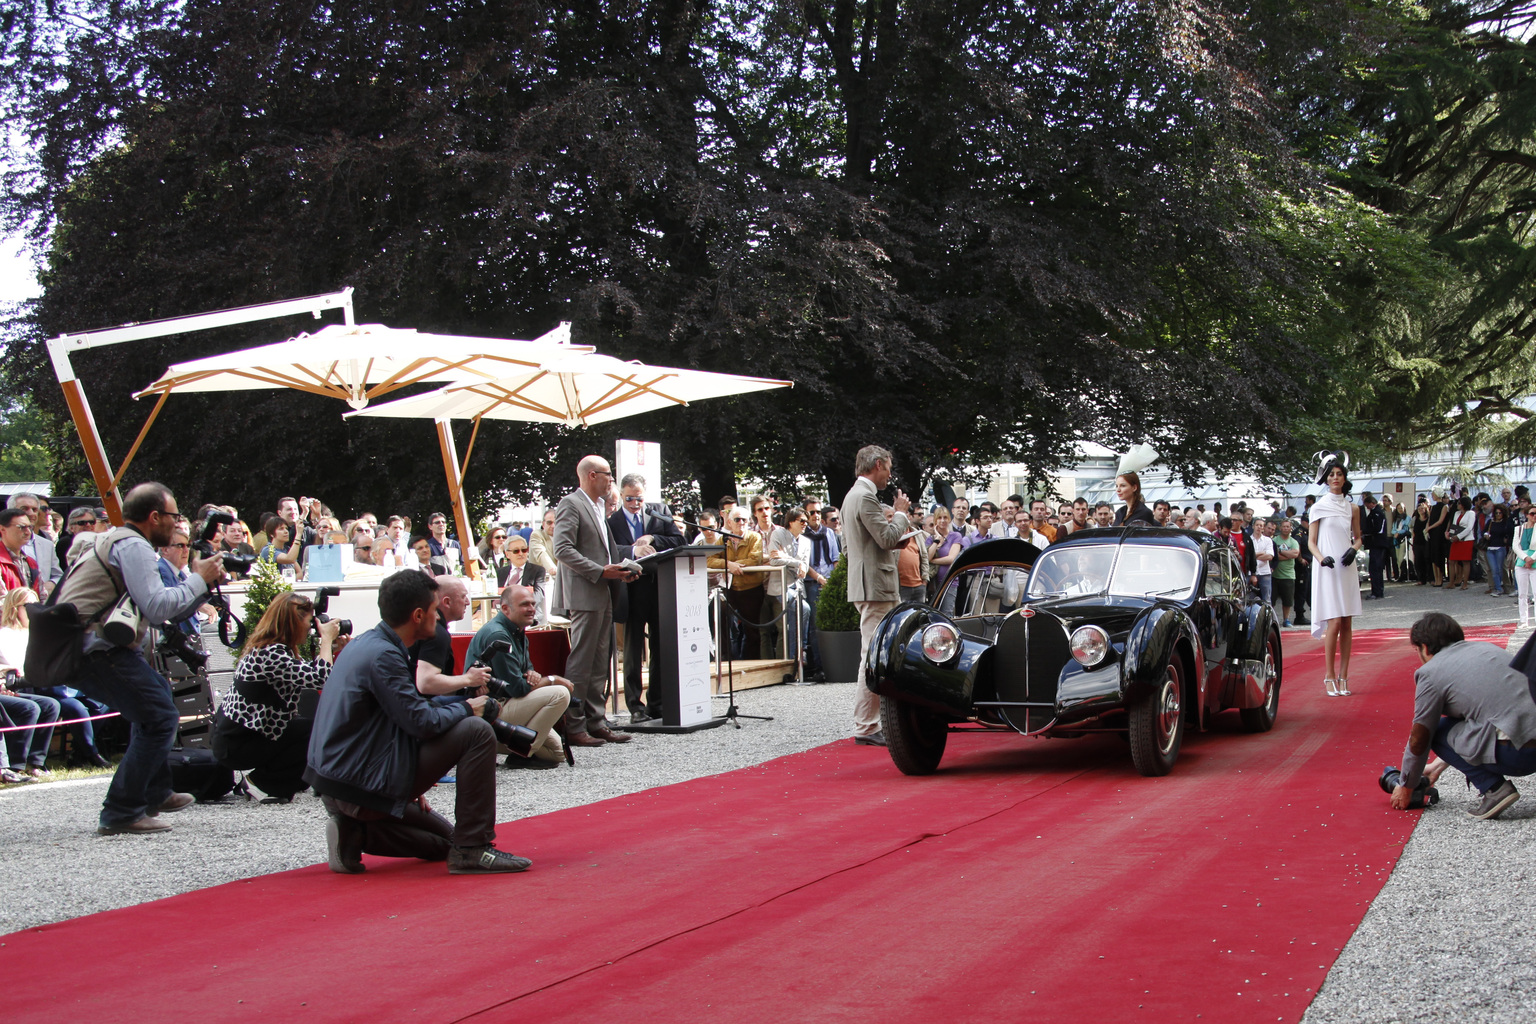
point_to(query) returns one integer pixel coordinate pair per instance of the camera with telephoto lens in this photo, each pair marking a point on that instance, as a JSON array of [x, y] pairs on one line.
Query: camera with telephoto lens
[[1423, 795], [322, 603], [517, 738], [495, 687], [233, 563]]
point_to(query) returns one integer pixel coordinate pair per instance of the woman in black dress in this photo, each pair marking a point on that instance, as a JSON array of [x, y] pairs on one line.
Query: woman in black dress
[[1128, 490], [1439, 544], [1420, 542]]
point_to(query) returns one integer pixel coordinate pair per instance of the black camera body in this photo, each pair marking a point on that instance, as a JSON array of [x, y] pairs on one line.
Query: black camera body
[[1423, 795], [233, 563], [496, 688], [322, 603]]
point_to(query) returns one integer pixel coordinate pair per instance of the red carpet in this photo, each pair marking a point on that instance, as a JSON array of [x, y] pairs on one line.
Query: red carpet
[[1038, 878]]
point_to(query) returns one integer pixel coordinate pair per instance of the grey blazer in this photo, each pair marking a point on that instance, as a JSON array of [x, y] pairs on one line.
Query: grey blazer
[[582, 549], [870, 542]]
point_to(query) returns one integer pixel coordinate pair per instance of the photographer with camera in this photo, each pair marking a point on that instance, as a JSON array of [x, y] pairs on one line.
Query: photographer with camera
[[257, 727], [1474, 710], [378, 745], [123, 560], [527, 697]]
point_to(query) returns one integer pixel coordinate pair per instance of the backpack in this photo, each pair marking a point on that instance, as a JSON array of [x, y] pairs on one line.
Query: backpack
[[197, 771], [55, 639]]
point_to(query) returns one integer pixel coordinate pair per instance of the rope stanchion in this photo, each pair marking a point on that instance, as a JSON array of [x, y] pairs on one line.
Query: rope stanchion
[[68, 721]]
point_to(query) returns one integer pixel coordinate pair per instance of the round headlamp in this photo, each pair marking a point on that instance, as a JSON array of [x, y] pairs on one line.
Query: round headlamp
[[1090, 645], [940, 642]]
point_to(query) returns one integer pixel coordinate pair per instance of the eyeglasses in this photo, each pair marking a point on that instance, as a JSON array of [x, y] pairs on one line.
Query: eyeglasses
[[498, 536], [633, 497], [83, 522], [362, 547], [181, 545], [517, 551]]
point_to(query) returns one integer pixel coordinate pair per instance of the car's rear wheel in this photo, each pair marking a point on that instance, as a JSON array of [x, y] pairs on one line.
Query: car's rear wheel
[[915, 736], [1262, 718], [1157, 723]]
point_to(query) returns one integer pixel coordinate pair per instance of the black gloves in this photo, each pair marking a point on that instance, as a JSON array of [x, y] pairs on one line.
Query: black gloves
[[1349, 557], [1327, 562]]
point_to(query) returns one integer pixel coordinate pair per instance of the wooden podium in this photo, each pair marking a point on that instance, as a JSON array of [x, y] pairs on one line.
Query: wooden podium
[[681, 688]]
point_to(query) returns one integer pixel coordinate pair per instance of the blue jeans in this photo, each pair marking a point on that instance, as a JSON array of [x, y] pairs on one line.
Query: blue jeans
[[812, 594], [1507, 759], [1496, 558], [1267, 588], [29, 746], [74, 705], [123, 680]]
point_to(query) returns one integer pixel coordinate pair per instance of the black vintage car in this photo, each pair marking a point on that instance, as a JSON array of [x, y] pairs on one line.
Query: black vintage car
[[1138, 630]]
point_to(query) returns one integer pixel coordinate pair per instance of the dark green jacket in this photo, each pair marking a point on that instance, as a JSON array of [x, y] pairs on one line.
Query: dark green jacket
[[510, 668]]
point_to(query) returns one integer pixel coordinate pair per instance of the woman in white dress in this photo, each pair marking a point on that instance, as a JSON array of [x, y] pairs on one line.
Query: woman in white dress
[[1334, 539]]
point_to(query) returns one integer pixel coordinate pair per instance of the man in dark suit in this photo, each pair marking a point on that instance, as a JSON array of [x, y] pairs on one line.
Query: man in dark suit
[[637, 530], [1373, 535], [519, 572], [584, 551]]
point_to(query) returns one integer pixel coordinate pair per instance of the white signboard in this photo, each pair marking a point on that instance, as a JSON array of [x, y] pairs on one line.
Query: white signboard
[[643, 457], [693, 668]]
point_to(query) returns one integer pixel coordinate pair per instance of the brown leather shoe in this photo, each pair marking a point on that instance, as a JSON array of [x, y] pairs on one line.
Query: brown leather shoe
[[581, 739], [174, 802], [607, 734]]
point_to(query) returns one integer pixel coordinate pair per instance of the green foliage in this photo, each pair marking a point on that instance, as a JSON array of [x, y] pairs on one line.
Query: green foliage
[[834, 612], [266, 582], [23, 443]]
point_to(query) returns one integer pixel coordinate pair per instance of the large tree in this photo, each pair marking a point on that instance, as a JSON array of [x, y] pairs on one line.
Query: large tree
[[969, 231]]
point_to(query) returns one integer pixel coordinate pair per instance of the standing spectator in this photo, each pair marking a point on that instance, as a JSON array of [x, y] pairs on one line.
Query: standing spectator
[[1439, 545], [285, 547], [541, 543], [1005, 526], [960, 515], [762, 516], [947, 545], [1263, 543], [788, 546], [1103, 514], [584, 550], [825, 548], [1373, 534], [397, 539], [1461, 533], [1500, 535], [1287, 550], [834, 521], [1418, 542], [1080, 516], [445, 550], [1162, 513], [871, 541], [1524, 549], [1039, 511], [1401, 524]]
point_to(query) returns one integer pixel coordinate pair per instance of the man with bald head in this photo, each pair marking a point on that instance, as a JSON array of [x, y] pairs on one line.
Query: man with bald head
[[432, 659], [588, 572], [527, 697]]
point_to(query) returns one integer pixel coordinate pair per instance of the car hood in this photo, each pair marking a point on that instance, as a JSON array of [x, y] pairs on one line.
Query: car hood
[[1114, 614]]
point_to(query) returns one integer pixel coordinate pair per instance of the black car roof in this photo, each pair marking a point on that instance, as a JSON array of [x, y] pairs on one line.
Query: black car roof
[[1194, 539]]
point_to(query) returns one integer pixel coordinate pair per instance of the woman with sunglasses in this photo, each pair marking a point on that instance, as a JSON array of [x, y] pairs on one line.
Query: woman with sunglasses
[[493, 555], [1523, 549]]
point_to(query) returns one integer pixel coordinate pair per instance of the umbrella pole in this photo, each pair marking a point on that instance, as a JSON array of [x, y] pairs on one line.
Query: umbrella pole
[[456, 495], [95, 452]]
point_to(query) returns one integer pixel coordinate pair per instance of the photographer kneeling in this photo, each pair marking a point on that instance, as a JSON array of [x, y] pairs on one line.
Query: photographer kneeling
[[257, 726], [378, 745], [1473, 710], [528, 698]]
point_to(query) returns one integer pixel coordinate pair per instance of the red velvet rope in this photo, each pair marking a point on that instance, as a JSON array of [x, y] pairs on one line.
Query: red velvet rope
[[70, 721]]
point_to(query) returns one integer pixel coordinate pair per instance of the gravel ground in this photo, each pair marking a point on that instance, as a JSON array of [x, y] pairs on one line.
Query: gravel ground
[[71, 871], [1447, 939]]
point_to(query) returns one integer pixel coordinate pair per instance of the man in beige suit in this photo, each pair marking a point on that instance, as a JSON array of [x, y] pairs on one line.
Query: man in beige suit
[[585, 557], [871, 543]]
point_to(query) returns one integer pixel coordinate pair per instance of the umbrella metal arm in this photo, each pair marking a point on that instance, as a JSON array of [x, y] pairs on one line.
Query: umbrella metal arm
[[60, 347]]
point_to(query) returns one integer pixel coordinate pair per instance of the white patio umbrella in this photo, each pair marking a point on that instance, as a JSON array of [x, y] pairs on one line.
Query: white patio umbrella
[[359, 362], [576, 390]]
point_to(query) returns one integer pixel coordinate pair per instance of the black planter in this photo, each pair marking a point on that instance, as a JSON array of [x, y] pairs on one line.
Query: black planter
[[839, 655]]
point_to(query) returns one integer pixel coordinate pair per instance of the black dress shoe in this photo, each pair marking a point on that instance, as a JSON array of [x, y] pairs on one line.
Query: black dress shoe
[[531, 763], [874, 739], [638, 717]]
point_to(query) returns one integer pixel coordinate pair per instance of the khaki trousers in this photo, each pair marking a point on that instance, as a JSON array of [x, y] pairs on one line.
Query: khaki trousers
[[539, 711], [866, 702]]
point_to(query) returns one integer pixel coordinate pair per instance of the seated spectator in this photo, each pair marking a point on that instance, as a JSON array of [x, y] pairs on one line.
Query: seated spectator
[[285, 546], [27, 748], [39, 546], [257, 727], [81, 520], [745, 595], [17, 568], [423, 559], [493, 555], [73, 706], [1473, 708], [528, 698], [103, 522], [172, 566], [364, 545], [397, 539], [525, 573], [378, 745]]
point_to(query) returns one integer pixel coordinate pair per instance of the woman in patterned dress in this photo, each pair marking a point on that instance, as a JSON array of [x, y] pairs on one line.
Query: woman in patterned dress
[[257, 727]]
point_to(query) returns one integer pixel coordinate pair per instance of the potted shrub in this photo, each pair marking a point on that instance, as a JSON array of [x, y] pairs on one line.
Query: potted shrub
[[837, 628]]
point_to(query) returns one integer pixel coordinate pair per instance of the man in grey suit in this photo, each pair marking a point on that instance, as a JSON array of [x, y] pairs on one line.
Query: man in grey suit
[[585, 556], [871, 543]]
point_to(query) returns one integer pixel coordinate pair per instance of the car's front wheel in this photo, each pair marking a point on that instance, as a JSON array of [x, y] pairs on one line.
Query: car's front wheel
[[1157, 723], [914, 736]]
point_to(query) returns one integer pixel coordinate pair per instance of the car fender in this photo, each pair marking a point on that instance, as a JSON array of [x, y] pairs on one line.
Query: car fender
[[897, 668], [1152, 639], [1248, 682]]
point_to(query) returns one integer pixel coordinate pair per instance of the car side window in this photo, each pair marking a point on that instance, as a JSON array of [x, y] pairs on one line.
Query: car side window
[[1233, 573], [1215, 574]]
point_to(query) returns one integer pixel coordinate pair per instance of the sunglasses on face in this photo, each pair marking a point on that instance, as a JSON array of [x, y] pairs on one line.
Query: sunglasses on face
[[517, 551]]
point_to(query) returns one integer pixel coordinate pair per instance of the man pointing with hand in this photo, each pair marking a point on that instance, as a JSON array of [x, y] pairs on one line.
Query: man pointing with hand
[[871, 544]]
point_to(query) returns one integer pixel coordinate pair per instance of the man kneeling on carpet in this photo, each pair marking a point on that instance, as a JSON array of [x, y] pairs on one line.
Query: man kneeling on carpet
[[1474, 710], [378, 745], [527, 697]]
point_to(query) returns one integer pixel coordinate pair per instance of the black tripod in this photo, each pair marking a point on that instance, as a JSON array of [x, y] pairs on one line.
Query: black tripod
[[723, 653]]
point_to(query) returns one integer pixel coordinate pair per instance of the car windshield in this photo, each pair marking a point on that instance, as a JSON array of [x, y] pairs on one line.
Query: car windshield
[[1136, 570]]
